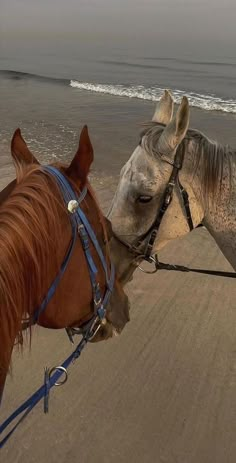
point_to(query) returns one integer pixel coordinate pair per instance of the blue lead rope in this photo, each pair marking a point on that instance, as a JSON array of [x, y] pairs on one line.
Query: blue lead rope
[[30, 403], [80, 225]]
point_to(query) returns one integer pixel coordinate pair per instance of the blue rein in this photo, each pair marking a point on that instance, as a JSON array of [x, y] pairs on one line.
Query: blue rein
[[80, 226]]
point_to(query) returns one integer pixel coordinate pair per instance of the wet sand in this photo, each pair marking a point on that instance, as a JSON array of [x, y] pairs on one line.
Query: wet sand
[[165, 390]]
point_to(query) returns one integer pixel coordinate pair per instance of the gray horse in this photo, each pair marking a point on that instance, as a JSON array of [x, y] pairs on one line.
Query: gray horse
[[208, 175]]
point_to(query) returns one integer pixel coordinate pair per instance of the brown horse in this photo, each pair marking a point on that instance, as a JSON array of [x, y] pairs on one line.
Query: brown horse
[[35, 234]]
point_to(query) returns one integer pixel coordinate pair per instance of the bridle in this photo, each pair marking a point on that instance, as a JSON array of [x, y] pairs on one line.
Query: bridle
[[148, 239], [142, 248], [81, 228]]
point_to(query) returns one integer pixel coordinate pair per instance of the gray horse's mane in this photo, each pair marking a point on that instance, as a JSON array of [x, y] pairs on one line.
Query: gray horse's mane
[[212, 161]]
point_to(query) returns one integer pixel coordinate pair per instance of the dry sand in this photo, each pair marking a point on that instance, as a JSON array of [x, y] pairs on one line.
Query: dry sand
[[163, 392]]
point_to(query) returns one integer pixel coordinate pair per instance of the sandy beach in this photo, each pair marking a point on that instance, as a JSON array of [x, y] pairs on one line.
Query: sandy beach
[[165, 390]]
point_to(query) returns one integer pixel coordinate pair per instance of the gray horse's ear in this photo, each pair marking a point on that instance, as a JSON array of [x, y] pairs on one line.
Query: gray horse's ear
[[176, 130], [164, 109]]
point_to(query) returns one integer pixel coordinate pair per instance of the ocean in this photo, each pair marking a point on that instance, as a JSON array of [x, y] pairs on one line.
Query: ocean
[[51, 95]]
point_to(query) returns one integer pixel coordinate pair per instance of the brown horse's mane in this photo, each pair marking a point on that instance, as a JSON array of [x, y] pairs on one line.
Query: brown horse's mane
[[213, 161], [28, 243]]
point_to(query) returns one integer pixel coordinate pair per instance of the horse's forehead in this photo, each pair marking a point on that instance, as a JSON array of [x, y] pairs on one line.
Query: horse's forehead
[[139, 167]]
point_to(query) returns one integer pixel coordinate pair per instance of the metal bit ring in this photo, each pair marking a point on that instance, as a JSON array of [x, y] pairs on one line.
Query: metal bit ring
[[152, 260], [59, 368]]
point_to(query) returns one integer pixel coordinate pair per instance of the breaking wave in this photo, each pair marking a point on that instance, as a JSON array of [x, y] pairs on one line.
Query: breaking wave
[[209, 102], [198, 100]]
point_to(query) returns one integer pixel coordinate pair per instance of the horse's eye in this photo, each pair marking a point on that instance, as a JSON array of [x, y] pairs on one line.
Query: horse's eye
[[144, 199]]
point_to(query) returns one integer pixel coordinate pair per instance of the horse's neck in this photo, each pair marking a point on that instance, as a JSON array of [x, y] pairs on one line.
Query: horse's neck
[[220, 208]]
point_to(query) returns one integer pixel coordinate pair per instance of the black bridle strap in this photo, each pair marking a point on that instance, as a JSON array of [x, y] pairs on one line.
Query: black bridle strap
[[166, 201], [185, 198]]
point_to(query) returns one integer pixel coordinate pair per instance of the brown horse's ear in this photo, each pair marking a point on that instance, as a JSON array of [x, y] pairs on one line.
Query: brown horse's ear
[[21, 154], [80, 165]]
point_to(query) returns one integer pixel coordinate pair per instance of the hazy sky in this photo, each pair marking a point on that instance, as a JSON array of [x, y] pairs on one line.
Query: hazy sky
[[129, 23]]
